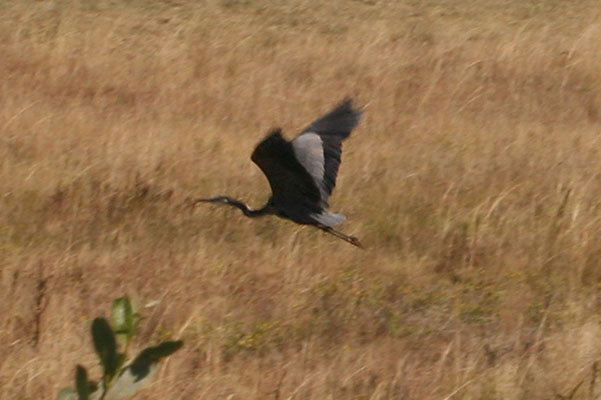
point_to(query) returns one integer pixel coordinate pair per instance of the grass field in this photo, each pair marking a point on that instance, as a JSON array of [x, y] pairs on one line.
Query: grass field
[[474, 181]]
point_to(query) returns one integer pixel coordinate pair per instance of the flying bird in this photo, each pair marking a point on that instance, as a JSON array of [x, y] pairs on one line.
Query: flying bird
[[302, 172]]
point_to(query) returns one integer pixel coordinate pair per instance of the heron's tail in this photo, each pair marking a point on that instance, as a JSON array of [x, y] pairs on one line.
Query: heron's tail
[[329, 219]]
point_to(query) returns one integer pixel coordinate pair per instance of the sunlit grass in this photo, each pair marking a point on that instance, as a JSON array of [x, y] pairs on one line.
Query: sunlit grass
[[472, 180]]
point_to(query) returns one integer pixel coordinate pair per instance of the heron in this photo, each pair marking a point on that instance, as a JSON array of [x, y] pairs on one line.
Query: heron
[[302, 172]]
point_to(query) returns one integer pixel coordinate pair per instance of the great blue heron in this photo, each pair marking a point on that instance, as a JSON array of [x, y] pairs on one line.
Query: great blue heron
[[302, 172]]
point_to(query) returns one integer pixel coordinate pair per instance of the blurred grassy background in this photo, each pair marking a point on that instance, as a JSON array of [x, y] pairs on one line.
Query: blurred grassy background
[[473, 180]]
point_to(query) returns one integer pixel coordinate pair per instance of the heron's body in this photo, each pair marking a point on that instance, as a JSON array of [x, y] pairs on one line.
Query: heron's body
[[302, 172]]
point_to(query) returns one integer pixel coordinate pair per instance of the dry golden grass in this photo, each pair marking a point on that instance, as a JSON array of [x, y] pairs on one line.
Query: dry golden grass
[[474, 181]]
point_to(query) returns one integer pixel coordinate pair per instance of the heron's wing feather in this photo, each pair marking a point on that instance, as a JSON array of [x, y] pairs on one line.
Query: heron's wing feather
[[318, 148], [309, 151], [290, 183], [339, 122]]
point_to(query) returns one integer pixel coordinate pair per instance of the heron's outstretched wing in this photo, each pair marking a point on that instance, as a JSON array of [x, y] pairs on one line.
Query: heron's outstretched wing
[[319, 146], [290, 183]]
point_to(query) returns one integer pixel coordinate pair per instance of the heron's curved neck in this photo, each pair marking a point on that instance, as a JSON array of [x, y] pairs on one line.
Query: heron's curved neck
[[249, 212]]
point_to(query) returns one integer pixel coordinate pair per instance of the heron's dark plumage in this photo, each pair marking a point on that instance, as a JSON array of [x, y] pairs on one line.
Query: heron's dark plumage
[[290, 182], [302, 172]]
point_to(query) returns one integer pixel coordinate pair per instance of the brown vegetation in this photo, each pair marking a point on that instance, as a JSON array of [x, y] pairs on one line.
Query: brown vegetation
[[474, 181]]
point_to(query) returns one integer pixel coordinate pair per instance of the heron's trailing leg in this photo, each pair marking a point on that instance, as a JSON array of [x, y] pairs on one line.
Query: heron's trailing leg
[[351, 239]]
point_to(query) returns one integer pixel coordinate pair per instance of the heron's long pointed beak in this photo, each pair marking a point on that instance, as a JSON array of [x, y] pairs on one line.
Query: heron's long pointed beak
[[203, 200], [216, 200]]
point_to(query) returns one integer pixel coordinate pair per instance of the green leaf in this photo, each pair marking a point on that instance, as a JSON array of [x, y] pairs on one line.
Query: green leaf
[[84, 387], [126, 383], [67, 394], [140, 367], [141, 370], [121, 358], [81, 383], [92, 387], [124, 318], [105, 345]]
